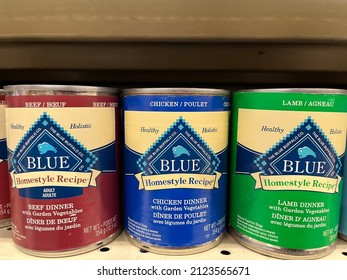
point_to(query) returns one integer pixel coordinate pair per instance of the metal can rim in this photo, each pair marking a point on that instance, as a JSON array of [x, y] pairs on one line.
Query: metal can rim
[[295, 90], [175, 91], [59, 89]]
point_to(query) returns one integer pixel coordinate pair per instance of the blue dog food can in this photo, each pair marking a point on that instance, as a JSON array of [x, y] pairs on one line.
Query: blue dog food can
[[175, 164]]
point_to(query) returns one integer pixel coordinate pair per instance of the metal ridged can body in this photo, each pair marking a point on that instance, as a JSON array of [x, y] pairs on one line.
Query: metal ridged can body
[[175, 162], [63, 145], [287, 148], [5, 205]]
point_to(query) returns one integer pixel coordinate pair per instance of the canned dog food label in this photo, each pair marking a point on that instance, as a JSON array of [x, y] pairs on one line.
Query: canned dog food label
[[63, 168], [5, 206], [288, 168], [175, 168]]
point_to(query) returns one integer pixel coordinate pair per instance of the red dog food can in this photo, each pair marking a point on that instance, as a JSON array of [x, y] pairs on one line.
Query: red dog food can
[[63, 154], [5, 207]]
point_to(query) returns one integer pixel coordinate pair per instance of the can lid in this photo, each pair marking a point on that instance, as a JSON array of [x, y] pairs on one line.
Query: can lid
[[57, 89], [176, 91]]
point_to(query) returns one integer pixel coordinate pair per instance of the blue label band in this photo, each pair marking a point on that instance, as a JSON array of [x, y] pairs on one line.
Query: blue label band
[[166, 103]]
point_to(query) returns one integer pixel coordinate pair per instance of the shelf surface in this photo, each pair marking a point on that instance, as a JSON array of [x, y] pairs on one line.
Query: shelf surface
[[185, 20], [121, 249], [200, 42]]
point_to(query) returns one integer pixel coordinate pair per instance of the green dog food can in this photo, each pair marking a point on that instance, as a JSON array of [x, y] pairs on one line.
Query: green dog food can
[[287, 147]]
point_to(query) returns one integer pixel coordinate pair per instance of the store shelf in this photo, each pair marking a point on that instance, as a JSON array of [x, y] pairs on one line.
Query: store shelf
[[231, 43], [185, 20], [121, 249]]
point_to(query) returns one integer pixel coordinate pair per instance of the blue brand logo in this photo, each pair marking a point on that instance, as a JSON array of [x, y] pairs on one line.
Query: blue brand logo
[[303, 160], [304, 151], [177, 155], [179, 149], [48, 156]]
